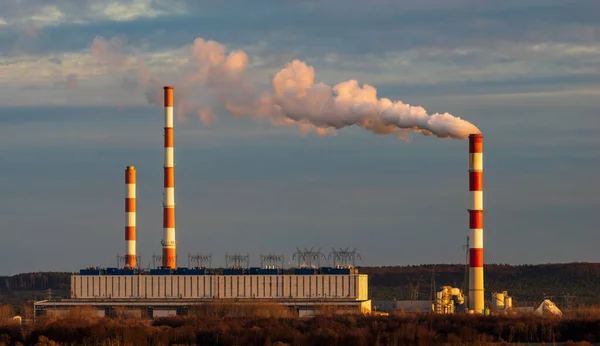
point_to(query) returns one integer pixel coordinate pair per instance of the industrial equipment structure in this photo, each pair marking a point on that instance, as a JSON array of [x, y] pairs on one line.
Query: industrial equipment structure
[[501, 301], [449, 300], [547, 308]]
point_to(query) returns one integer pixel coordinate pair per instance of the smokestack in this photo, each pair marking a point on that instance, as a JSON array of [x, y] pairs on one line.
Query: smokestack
[[169, 254], [130, 255], [476, 294]]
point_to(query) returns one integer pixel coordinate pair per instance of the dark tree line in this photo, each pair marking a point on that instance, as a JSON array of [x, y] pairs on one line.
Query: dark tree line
[[36, 281]]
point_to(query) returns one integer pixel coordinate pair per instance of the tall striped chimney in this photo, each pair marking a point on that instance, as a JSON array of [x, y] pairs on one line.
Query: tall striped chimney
[[169, 255], [130, 206], [476, 293]]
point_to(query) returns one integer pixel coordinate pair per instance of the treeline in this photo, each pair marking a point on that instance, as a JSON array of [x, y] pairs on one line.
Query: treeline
[[36, 281], [325, 330], [568, 284]]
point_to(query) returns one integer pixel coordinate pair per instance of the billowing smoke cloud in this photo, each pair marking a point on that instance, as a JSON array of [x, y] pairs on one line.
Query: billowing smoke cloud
[[295, 99], [347, 103]]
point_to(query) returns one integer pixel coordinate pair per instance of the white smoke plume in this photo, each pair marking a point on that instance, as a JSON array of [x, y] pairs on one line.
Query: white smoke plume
[[295, 98]]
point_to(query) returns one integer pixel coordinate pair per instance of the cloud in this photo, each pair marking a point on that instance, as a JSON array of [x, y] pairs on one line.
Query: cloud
[[431, 47], [346, 27], [57, 12], [500, 69]]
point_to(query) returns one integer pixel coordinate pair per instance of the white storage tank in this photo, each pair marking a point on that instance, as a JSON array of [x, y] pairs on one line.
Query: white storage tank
[[508, 303], [498, 301]]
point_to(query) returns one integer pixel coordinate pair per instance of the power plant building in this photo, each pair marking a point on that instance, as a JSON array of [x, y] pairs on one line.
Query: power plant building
[[304, 290], [291, 286]]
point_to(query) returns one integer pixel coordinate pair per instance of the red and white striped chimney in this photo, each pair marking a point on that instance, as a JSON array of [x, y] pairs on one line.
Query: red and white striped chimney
[[130, 206], [476, 293], [169, 254]]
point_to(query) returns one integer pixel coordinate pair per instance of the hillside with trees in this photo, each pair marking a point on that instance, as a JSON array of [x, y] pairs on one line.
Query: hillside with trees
[[576, 283], [35, 281]]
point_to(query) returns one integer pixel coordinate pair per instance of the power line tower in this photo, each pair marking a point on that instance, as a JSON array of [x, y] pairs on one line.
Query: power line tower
[[121, 259], [433, 289], [156, 258], [414, 288], [306, 257], [343, 257], [272, 260], [200, 260], [237, 261]]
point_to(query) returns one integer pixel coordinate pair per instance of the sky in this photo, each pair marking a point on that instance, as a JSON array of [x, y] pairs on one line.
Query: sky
[[79, 101]]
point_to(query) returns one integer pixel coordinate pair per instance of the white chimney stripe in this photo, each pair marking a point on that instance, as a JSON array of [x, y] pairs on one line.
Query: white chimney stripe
[[477, 200], [168, 116], [130, 247], [476, 238], [130, 217], [130, 190], [476, 161], [169, 158]]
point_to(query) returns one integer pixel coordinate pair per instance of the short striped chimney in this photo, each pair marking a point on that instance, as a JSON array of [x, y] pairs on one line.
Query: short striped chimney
[[130, 206], [476, 293], [169, 255]]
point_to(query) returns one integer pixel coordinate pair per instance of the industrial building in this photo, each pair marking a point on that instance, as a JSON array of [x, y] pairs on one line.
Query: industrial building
[[302, 290], [293, 286], [169, 289]]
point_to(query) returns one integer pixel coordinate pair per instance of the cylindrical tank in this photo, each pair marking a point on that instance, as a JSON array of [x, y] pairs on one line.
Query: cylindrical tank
[[508, 303], [498, 301]]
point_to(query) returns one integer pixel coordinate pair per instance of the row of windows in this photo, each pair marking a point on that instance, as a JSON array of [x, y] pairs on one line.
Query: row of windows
[[217, 286]]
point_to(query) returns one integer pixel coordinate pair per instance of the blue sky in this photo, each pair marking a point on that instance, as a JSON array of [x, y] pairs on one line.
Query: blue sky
[[526, 73]]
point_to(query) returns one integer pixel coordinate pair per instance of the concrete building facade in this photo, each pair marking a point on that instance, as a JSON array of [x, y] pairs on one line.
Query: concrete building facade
[[353, 286], [157, 295]]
